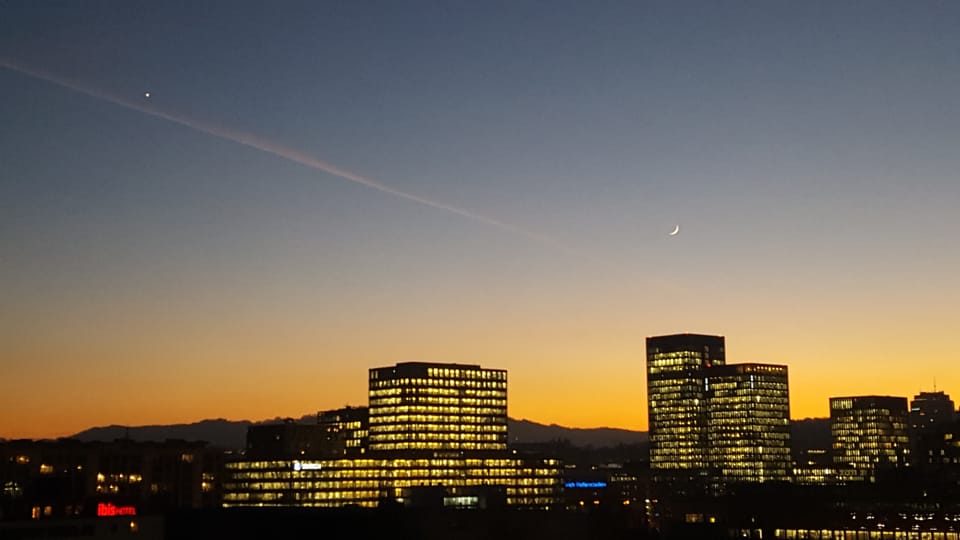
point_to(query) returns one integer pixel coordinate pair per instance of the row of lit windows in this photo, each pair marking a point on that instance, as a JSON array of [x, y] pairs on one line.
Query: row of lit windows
[[666, 408], [436, 376], [676, 384], [276, 483], [759, 454], [747, 393], [739, 379], [404, 414], [335, 490], [385, 437], [343, 479], [388, 392], [368, 463], [449, 412], [465, 405], [860, 534], [674, 424], [841, 441], [876, 429], [437, 400], [440, 392], [450, 427], [497, 374], [424, 383], [736, 439], [405, 478], [429, 445], [745, 410]]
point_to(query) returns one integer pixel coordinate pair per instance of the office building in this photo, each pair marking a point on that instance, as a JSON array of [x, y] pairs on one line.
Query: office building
[[437, 437], [437, 407], [931, 419], [676, 367], [869, 433], [475, 481], [930, 411], [289, 440], [336, 433], [345, 430], [747, 408]]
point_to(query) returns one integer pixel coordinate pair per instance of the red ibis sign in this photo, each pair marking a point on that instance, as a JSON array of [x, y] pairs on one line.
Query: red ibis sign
[[110, 510]]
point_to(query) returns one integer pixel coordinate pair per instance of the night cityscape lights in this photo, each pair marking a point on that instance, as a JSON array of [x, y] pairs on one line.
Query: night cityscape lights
[[435, 430]]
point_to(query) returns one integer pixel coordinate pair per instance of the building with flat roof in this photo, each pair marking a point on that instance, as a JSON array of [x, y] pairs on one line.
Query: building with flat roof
[[930, 411], [714, 424], [336, 433], [675, 394], [676, 377], [869, 432], [748, 424], [437, 407], [345, 430], [460, 480], [437, 436]]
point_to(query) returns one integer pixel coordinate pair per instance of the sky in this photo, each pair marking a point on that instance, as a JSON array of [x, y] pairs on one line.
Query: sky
[[313, 189]]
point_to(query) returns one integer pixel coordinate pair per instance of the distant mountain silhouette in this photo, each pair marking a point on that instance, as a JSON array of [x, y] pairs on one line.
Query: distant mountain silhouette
[[232, 434], [229, 434], [527, 431], [219, 433]]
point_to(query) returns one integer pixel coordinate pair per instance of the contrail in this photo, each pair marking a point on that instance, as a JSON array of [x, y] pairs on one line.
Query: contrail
[[265, 145]]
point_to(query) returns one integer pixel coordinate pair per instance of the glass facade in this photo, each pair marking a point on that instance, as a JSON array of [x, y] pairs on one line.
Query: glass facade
[[438, 407], [748, 424], [433, 430], [675, 394], [869, 432], [370, 481]]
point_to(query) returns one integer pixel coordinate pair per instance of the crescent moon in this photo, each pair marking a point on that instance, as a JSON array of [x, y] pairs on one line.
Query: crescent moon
[[676, 230]]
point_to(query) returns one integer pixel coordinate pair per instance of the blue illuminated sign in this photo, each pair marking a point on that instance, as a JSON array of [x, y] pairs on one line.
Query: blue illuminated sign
[[585, 485]]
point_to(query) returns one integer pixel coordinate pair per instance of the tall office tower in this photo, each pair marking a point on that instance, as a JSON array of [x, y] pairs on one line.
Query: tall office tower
[[437, 407], [869, 432], [748, 424], [675, 395]]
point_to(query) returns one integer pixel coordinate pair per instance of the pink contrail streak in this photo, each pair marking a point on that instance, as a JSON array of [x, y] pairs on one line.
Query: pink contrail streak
[[264, 145]]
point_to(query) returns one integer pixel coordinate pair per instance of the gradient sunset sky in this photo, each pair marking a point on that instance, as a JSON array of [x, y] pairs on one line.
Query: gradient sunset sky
[[153, 273]]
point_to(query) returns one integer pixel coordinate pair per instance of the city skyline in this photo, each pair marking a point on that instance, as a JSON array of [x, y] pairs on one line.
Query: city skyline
[[718, 369], [227, 212]]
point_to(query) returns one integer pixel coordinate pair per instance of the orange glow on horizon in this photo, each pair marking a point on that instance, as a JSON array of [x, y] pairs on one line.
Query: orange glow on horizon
[[558, 391]]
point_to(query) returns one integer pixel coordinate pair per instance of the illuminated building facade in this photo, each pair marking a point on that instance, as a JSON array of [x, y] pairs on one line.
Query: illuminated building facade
[[345, 430], [336, 433], [676, 376], [748, 424], [436, 407], [473, 481], [436, 431], [869, 432]]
